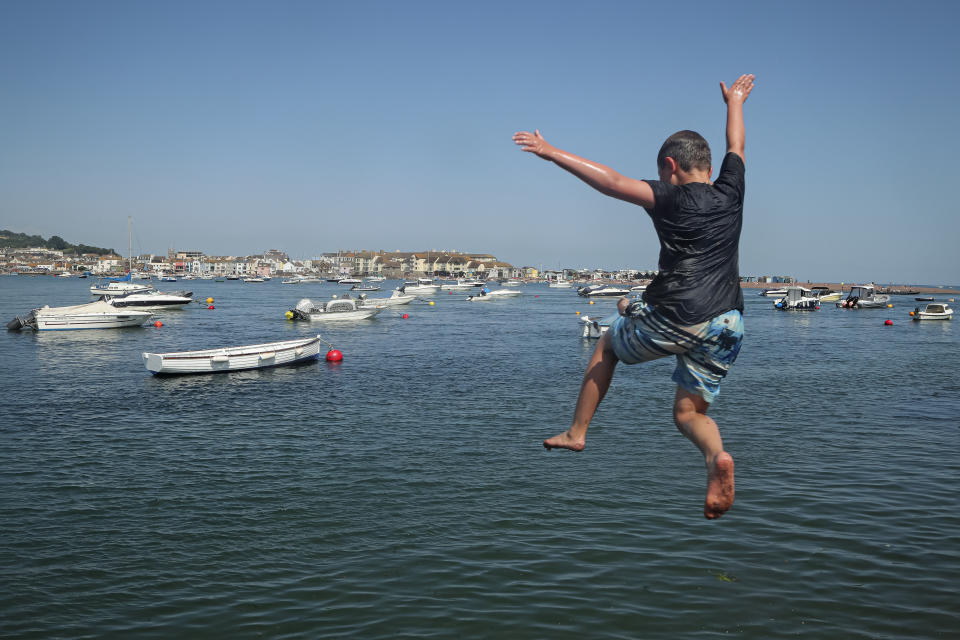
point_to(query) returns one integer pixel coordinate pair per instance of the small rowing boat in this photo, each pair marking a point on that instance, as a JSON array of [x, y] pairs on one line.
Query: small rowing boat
[[254, 356]]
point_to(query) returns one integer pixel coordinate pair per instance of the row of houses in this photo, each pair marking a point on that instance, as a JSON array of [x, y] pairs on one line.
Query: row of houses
[[357, 263]]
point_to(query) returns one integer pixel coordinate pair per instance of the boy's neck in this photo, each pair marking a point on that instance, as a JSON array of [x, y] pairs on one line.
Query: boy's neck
[[681, 177]]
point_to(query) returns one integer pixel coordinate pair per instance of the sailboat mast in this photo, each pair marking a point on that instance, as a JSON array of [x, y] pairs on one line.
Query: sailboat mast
[[130, 244]]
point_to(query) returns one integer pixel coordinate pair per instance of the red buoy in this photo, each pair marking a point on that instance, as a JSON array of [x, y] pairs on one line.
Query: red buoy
[[334, 355], [158, 324], [888, 322], [210, 307], [405, 316]]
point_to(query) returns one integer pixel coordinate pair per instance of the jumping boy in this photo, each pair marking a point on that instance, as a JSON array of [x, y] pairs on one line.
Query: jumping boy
[[693, 307]]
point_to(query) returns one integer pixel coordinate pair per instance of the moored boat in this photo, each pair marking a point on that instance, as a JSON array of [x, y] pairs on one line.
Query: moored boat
[[396, 299], [255, 356], [864, 297], [933, 311], [93, 315], [150, 300], [602, 291], [332, 310], [798, 299]]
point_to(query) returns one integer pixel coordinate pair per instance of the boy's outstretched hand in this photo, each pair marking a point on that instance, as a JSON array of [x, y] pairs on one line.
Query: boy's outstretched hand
[[534, 143], [739, 90]]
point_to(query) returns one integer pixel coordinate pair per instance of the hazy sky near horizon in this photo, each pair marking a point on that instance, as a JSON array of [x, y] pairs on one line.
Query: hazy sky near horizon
[[235, 127]]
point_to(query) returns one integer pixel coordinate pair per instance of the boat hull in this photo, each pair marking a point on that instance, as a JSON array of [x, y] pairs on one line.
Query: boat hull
[[74, 322], [258, 356], [341, 316]]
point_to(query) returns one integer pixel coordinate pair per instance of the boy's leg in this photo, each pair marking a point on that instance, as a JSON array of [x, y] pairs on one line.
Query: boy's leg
[[690, 416], [596, 381]]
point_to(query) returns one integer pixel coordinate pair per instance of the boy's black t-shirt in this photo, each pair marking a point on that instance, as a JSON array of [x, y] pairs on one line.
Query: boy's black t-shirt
[[699, 229]]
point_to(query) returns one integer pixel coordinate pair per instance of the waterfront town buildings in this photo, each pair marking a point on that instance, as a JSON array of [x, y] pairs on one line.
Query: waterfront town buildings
[[342, 263]]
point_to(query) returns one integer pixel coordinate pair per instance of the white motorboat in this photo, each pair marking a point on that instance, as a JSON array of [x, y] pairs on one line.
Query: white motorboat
[[291, 281], [825, 294], [376, 279], [593, 327], [364, 287], [484, 295], [462, 285], [864, 297], [151, 300], [93, 315], [602, 291], [933, 311], [773, 293], [560, 284], [349, 281], [396, 299], [420, 287], [332, 310], [798, 299], [118, 287], [253, 279], [513, 282], [254, 356]]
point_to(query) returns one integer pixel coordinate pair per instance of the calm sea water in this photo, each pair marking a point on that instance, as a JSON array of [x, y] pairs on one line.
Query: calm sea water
[[404, 491]]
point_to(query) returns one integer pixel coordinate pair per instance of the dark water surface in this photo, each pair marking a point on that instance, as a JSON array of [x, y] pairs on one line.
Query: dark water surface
[[404, 492]]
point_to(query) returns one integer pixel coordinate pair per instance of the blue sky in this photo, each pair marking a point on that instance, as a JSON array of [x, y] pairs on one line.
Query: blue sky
[[235, 127]]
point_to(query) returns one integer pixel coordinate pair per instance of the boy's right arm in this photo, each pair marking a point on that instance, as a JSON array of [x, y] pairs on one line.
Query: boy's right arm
[[600, 177], [735, 96]]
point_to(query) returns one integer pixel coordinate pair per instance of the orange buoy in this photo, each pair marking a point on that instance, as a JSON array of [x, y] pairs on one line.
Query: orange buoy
[[578, 313], [334, 355], [911, 313], [158, 324], [888, 322]]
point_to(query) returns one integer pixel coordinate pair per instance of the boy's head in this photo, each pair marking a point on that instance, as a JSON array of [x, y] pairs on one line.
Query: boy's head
[[688, 149]]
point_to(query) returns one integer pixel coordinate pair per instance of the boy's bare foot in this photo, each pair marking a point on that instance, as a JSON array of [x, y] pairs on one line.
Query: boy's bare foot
[[565, 441], [719, 486]]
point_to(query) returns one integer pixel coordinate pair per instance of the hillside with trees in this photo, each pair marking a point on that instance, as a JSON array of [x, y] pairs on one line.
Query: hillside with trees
[[22, 241]]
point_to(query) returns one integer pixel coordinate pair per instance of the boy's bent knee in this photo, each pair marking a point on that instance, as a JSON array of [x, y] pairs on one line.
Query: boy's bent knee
[[686, 405]]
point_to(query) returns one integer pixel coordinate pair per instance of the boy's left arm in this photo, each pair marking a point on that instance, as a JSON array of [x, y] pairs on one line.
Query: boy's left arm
[[600, 177]]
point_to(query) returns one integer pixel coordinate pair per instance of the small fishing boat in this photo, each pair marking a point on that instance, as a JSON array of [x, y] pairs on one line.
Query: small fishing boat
[[253, 279], [825, 294], [254, 356], [364, 287], [773, 293], [420, 287], [499, 294], [93, 315], [924, 298], [332, 310], [602, 291], [150, 300], [798, 299], [396, 299], [117, 286], [594, 327], [864, 297], [933, 311]]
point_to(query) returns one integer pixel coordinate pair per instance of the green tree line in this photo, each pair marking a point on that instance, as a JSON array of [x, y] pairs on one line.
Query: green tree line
[[22, 241]]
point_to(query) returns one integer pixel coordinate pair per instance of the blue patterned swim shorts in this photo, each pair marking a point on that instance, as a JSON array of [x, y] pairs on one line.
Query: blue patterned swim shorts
[[704, 351]]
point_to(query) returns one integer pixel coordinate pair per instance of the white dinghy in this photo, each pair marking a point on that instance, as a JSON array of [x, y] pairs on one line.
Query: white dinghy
[[253, 356]]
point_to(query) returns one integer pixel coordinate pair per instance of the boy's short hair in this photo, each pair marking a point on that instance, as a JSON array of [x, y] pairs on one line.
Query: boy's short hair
[[688, 148]]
